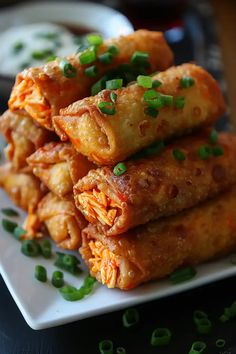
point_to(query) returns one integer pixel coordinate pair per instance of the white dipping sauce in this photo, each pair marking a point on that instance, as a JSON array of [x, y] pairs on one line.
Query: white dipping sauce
[[22, 46]]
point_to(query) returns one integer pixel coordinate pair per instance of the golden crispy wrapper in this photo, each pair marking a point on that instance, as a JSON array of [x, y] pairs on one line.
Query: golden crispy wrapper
[[44, 90], [59, 166], [156, 249], [24, 189], [63, 221], [113, 138], [156, 186], [23, 137]]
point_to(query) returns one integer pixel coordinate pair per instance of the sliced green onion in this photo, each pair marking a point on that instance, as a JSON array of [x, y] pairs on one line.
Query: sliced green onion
[[40, 273], [9, 212], [140, 58], [88, 56], [71, 293], [154, 149], [18, 46], [68, 69], [106, 347], [114, 84], [67, 262], [152, 112], [107, 108], [97, 87], [186, 82], [51, 58], [213, 137], [9, 225], [160, 337], [113, 49], [181, 275], [48, 35], [178, 154], [30, 248], [120, 350], [113, 96], [106, 58], [204, 326], [130, 318], [220, 343], [45, 248], [217, 151], [144, 81], [204, 152], [199, 315], [91, 71], [197, 347], [153, 99], [156, 84], [180, 102], [24, 65], [167, 100], [229, 312], [41, 54], [18, 232], [57, 279], [94, 39], [119, 169]]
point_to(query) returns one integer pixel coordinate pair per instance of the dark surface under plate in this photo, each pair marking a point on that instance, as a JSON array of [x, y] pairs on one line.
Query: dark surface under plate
[[192, 37]]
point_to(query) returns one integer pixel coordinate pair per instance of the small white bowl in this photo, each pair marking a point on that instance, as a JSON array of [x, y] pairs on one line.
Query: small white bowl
[[99, 18]]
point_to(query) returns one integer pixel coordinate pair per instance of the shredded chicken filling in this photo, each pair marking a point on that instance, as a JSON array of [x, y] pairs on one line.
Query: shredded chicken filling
[[29, 97], [104, 262], [97, 206]]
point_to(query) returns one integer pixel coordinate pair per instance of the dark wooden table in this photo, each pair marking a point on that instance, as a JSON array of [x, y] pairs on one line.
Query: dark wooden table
[[174, 312]]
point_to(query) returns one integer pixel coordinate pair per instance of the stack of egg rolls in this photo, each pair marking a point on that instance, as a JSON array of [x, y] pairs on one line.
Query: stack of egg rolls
[[136, 177]]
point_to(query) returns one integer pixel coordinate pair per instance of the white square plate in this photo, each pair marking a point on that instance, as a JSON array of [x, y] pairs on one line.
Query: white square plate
[[41, 304]]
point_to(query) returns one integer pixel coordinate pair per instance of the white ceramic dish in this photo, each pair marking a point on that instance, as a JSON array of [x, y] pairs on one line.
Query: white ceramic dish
[[43, 307], [100, 18]]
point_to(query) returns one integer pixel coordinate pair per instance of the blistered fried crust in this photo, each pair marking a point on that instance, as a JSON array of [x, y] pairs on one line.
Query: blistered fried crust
[[59, 166], [157, 186], [63, 221], [44, 90], [156, 249], [23, 137], [113, 138], [24, 189]]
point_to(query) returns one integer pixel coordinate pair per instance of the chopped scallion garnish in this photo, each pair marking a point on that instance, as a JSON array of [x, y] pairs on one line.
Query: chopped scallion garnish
[[94, 39], [160, 337], [91, 71], [9, 212], [9, 225], [197, 348], [180, 102], [113, 49], [70, 293], [41, 54], [18, 232], [140, 58], [152, 112], [130, 318], [199, 315], [17, 48], [217, 151], [120, 350], [213, 137], [45, 248], [57, 279], [40, 273], [204, 152], [106, 347], [181, 275], [119, 169], [144, 81], [114, 84], [204, 326], [67, 262], [178, 154], [167, 100], [68, 69], [106, 58], [113, 96], [156, 84], [107, 108], [220, 343], [88, 56], [186, 82], [30, 248]]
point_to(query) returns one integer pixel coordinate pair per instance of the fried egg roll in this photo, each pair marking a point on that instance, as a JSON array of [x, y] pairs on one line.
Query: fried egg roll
[[155, 250], [23, 137], [42, 91], [63, 221], [108, 139], [24, 189], [159, 185], [59, 166]]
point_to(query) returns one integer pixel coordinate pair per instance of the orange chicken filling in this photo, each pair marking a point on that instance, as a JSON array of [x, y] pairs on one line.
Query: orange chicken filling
[[105, 263], [96, 206], [29, 97]]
